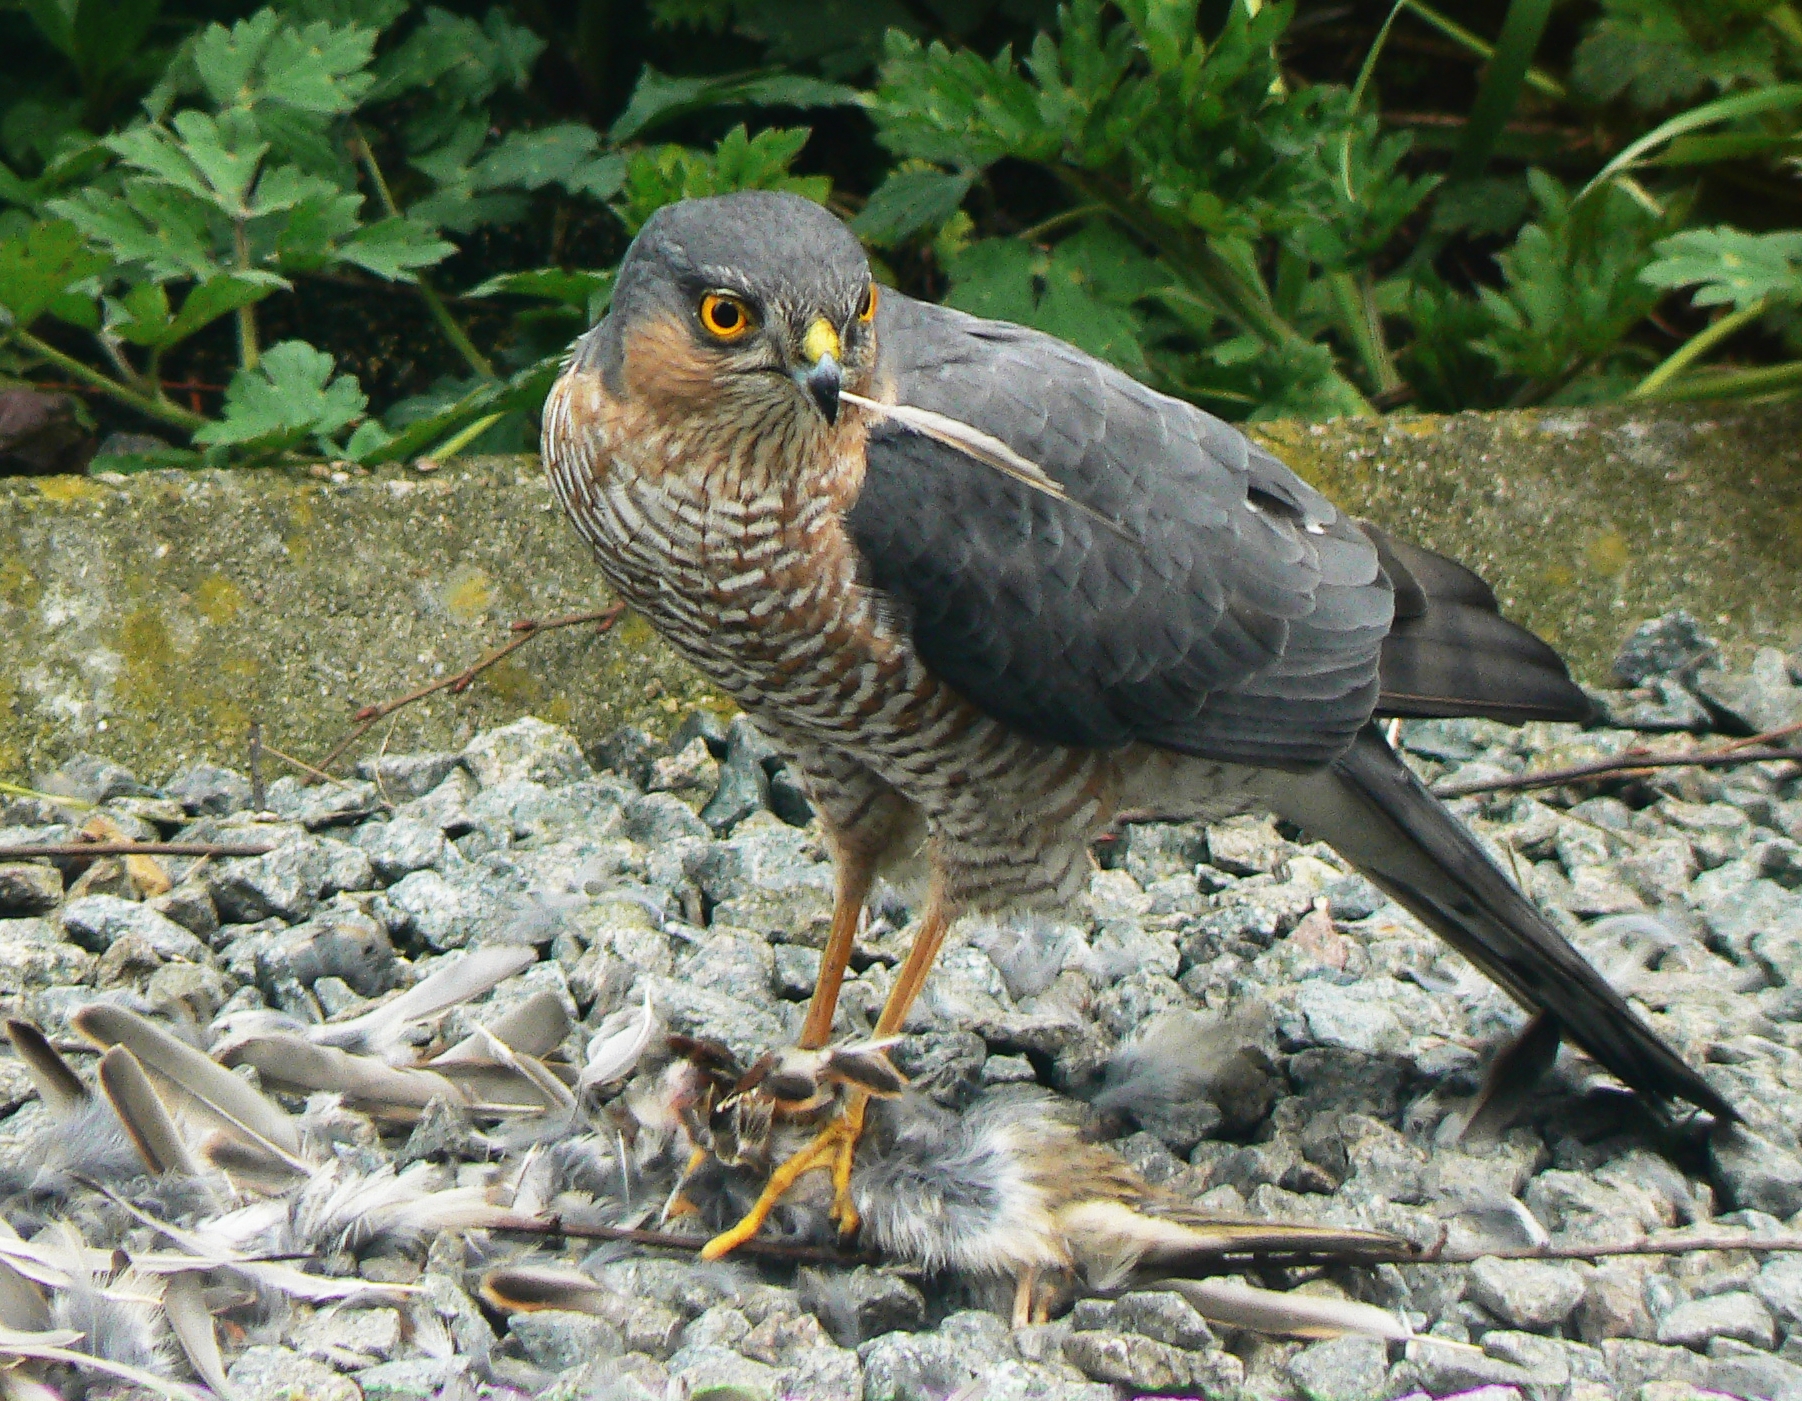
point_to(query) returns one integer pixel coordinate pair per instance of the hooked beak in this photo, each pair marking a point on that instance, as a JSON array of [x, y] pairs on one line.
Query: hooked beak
[[820, 373]]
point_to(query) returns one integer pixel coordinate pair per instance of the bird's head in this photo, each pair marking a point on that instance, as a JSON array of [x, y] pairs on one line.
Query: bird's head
[[753, 307]]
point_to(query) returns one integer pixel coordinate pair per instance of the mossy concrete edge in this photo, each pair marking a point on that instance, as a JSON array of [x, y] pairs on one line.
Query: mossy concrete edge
[[152, 618]]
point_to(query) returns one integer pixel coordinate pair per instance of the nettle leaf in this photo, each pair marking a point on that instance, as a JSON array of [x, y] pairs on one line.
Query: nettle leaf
[[291, 395], [530, 160], [167, 230], [659, 99], [664, 174], [393, 248], [1729, 267], [369, 14], [308, 236], [908, 201], [39, 271]]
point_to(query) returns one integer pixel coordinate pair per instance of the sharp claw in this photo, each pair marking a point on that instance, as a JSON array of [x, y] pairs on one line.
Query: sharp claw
[[833, 1149]]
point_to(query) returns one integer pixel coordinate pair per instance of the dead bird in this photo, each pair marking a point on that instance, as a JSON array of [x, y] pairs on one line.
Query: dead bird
[[1007, 1190]]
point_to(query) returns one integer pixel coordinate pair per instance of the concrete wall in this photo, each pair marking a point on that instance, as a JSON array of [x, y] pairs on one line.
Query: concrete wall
[[153, 618]]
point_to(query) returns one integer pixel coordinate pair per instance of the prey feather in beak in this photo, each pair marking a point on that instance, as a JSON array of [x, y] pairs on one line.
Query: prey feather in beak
[[820, 373]]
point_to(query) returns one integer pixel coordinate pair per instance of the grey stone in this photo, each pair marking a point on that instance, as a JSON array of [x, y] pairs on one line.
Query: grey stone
[[660, 818], [321, 805], [529, 750], [27, 888], [716, 1371], [628, 752], [1754, 1374], [557, 1340], [190, 905], [742, 789], [266, 1373], [93, 779], [1763, 698], [1528, 1294], [399, 778], [731, 963], [914, 1367], [1755, 1172], [1244, 846], [1634, 1363], [96, 921], [338, 942], [33, 955], [1342, 1369], [1671, 645], [788, 796], [690, 772], [400, 847], [862, 1304], [351, 1337], [410, 1379], [285, 882], [1147, 1365], [443, 914], [1165, 1316], [1733, 1315], [207, 790], [1352, 1018], [1779, 1285], [797, 970]]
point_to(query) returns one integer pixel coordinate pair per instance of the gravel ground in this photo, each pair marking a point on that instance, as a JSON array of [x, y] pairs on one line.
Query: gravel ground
[[1340, 1045]]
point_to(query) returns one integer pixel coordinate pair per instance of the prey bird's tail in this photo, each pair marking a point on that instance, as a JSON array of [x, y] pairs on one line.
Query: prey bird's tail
[[1370, 807]]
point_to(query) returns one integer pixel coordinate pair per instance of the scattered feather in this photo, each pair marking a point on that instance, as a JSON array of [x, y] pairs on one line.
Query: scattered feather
[[184, 1304], [57, 1084], [381, 1030], [1236, 1304], [145, 1117], [617, 1046]]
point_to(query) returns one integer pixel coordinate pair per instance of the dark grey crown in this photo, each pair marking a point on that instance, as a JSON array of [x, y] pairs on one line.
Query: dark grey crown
[[775, 248]]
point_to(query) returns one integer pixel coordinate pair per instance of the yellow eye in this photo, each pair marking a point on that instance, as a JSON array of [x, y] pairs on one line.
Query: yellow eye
[[866, 309], [726, 316]]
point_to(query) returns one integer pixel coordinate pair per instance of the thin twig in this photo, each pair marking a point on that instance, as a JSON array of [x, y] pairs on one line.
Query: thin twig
[[526, 629], [258, 799], [1635, 762], [23, 852], [305, 767], [665, 1240], [1433, 1255]]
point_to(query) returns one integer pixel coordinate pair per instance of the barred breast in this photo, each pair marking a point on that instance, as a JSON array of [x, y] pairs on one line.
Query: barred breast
[[733, 547]]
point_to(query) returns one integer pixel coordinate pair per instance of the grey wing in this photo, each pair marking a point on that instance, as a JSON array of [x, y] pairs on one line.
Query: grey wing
[[1236, 615]]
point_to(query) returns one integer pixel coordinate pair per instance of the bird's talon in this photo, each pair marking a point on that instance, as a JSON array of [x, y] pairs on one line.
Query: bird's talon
[[834, 1148]]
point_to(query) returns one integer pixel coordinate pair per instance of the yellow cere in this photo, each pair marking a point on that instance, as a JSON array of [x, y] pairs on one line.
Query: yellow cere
[[820, 341]]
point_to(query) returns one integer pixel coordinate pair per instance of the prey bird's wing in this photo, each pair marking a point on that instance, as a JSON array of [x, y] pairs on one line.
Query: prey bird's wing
[[1192, 592]]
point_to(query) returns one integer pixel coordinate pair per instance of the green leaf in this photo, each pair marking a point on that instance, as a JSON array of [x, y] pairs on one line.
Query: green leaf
[[290, 396], [167, 230], [1724, 109], [393, 248], [319, 67], [461, 62], [665, 174], [42, 268], [530, 160], [659, 99], [1500, 88], [571, 287], [55, 20], [1730, 268], [908, 201], [142, 315], [524, 392], [1657, 53]]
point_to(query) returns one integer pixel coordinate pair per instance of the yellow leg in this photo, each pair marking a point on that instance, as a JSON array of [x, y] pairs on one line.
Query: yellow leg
[[847, 910], [832, 1149]]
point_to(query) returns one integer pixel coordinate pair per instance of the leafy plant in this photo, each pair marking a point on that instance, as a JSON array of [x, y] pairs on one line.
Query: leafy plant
[[1266, 208]]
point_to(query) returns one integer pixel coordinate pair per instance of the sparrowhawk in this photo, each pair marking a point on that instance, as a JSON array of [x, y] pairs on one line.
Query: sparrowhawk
[[993, 596]]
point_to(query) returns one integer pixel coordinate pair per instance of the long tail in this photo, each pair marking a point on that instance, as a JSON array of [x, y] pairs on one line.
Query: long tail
[[1370, 807]]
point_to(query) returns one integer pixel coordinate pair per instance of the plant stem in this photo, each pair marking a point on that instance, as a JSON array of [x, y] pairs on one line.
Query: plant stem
[[1356, 303], [1243, 300], [455, 444], [247, 317], [171, 414], [1784, 20], [1500, 89], [1735, 384], [447, 324], [1458, 34], [1695, 348], [1057, 221]]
